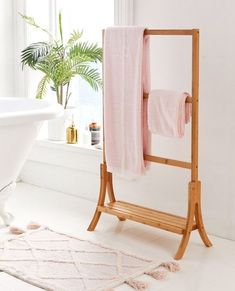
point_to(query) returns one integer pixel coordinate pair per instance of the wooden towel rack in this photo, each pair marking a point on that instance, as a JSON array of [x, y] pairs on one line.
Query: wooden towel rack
[[162, 220]]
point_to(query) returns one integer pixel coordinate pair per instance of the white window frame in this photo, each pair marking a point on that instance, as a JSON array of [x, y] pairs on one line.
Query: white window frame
[[20, 40], [123, 12]]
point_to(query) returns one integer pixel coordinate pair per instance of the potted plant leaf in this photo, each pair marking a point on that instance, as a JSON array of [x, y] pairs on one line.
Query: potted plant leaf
[[60, 61]]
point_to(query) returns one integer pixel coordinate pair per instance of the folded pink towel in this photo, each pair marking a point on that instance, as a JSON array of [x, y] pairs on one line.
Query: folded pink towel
[[126, 76], [168, 112]]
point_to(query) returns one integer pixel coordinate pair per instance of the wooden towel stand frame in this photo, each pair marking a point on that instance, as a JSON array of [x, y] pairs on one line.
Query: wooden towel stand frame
[[162, 220]]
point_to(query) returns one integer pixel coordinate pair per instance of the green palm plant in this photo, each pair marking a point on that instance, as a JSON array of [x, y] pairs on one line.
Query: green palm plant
[[61, 61]]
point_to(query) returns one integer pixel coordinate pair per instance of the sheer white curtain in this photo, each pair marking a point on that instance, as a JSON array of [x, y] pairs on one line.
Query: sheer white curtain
[[25, 81], [6, 49]]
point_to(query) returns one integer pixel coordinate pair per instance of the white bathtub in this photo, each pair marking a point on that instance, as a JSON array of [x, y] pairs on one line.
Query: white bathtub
[[20, 120]]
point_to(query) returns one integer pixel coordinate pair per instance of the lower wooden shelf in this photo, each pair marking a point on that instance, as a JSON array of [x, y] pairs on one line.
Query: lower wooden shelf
[[159, 219]]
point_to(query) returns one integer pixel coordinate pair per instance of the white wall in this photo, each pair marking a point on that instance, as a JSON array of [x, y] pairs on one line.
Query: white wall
[[216, 21], [165, 188], [6, 49]]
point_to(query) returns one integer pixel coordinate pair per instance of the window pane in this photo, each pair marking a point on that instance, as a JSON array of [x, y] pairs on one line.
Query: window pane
[[91, 16]]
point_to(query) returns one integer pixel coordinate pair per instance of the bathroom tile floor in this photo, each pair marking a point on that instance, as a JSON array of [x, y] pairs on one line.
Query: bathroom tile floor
[[203, 269]]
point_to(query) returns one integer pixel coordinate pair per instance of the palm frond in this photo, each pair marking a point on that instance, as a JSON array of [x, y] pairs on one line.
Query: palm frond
[[74, 37], [58, 51], [30, 20], [42, 87], [92, 76], [48, 63], [76, 62], [87, 51], [61, 73], [60, 27], [31, 54], [60, 62]]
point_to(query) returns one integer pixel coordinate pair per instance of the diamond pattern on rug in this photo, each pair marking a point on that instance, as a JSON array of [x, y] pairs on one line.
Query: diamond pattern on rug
[[59, 262]]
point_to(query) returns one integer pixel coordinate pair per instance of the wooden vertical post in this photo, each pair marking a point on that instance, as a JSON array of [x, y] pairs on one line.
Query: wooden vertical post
[[195, 89]]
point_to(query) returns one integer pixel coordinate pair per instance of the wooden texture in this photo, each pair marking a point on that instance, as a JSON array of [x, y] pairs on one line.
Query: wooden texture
[[188, 99], [167, 161], [169, 32], [195, 87], [166, 221], [163, 220], [103, 185]]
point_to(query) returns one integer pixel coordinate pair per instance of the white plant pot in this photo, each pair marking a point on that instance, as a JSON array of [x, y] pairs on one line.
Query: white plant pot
[[57, 127]]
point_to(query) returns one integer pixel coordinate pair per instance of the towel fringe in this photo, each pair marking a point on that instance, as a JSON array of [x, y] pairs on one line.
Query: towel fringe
[[137, 284], [171, 266]]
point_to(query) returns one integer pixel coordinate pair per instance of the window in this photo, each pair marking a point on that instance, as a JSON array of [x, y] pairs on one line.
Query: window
[[91, 16]]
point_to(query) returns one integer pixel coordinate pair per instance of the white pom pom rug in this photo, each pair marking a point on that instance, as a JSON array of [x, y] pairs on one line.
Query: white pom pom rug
[[58, 262]]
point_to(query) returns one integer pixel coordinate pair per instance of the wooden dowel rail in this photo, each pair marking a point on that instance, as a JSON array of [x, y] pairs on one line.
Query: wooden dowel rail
[[170, 31], [188, 99], [166, 161]]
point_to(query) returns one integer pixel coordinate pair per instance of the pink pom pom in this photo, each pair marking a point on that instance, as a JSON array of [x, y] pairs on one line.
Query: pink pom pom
[[157, 274], [137, 285], [171, 266], [16, 230], [33, 225]]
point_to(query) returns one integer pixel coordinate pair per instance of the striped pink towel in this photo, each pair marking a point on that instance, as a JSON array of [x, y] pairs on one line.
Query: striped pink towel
[[168, 112], [126, 76]]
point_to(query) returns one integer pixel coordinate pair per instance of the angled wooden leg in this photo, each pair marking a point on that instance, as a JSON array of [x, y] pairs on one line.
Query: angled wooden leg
[[111, 191], [94, 221], [190, 217], [199, 221], [183, 245], [103, 185], [110, 187]]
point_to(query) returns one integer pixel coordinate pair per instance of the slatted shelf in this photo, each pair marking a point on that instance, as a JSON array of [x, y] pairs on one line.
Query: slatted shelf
[[163, 220]]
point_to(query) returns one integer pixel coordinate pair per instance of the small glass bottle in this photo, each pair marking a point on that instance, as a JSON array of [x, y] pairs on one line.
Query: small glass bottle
[[87, 136], [72, 134]]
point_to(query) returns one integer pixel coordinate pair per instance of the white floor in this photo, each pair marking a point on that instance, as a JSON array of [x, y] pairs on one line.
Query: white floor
[[203, 269]]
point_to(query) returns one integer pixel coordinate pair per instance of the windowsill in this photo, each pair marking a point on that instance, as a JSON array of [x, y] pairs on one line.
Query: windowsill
[[63, 146]]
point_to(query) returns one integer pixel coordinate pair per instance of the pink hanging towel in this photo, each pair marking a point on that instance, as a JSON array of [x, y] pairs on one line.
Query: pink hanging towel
[[168, 112], [126, 76]]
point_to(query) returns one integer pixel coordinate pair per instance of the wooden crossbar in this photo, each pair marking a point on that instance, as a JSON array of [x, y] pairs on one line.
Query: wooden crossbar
[[170, 32], [188, 99], [167, 221], [167, 161]]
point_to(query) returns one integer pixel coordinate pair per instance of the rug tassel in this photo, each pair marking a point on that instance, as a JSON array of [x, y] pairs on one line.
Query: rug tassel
[[171, 266], [157, 274], [137, 285], [33, 225], [16, 230]]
